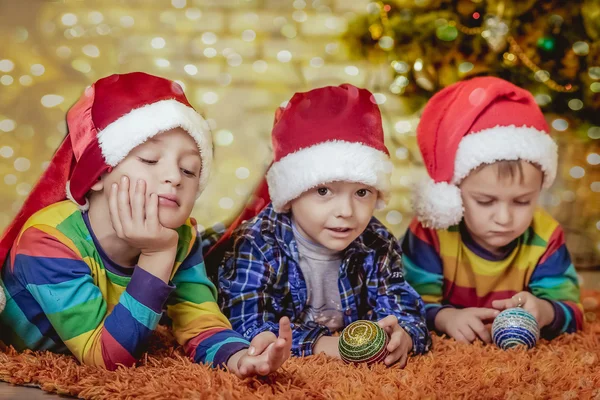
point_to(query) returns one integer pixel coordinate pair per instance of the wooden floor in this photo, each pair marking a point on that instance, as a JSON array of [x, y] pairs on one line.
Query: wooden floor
[[591, 280], [10, 392]]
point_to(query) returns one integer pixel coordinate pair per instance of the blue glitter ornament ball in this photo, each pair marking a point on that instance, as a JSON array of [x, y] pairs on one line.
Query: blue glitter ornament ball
[[514, 327]]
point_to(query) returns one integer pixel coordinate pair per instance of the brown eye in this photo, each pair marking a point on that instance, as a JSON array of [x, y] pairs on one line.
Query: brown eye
[[322, 191], [362, 192]]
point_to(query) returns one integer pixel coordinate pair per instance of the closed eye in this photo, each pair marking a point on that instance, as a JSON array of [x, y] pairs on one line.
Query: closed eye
[[146, 161], [187, 172], [523, 203], [485, 203]]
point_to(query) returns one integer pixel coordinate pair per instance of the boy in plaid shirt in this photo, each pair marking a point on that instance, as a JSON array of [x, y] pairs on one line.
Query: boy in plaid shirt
[[315, 253]]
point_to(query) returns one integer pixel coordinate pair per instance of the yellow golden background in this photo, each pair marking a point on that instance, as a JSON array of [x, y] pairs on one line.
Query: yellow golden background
[[238, 60]]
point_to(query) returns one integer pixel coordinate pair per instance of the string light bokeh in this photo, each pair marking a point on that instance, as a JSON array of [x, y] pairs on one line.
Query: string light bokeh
[[238, 60]]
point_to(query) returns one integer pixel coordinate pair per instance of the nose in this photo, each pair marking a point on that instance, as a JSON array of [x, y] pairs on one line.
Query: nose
[[171, 174], [344, 207], [503, 215]]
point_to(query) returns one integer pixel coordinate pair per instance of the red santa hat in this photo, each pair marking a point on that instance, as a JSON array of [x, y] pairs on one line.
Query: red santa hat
[[475, 122], [325, 135], [112, 117]]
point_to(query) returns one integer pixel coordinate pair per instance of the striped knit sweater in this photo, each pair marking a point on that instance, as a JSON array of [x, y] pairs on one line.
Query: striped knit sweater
[[449, 269], [65, 295]]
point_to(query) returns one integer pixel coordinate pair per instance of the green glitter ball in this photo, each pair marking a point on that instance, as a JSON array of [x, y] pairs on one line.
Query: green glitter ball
[[363, 342]]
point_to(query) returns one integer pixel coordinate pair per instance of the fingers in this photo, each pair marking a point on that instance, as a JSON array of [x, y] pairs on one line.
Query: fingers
[[261, 342], [114, 211], [285, 329], [459, 337], [254, 365], [518, 300], [246, 369], [485, 314], [393, 357], [503, 304], [400, 352], [403, 360], [480, 330], [284, 341], [391, 321], [395, 341], [152, 212], [521, 299], [267, 352], [499, 304], [277, 353], [123, 205], [467, 334], [138, 202], [264, 369]]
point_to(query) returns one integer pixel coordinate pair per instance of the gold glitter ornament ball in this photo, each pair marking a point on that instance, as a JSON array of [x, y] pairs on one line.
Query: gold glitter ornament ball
[[363, 342]]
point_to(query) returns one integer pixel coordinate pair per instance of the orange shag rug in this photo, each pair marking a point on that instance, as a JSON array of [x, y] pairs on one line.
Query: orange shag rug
[[566, 368]]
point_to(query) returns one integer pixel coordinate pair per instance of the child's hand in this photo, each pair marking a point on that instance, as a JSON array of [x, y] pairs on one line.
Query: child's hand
[[266, 352], [541, 309], [328, 345], [400, 341], [467, 324], [135, 220]]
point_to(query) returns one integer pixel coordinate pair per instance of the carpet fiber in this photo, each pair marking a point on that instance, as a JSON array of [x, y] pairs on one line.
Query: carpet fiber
[[566, 368]]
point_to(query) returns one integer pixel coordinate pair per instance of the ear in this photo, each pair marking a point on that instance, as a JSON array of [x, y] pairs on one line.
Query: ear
[[99, 185], [287, 208]]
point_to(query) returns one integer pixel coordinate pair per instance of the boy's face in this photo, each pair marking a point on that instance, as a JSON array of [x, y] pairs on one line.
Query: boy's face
[[335, 214], [170, 164], [500, 209]]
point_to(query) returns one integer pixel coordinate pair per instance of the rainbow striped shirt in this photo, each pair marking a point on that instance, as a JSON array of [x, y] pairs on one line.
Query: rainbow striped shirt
[[65, 295], [449, 269]]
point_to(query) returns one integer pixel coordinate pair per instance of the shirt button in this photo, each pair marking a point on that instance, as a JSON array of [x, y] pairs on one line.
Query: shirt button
[[348, 312]]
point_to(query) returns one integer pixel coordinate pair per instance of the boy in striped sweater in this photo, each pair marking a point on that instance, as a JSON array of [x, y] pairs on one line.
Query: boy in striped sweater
[[90, 275], [479, 243]]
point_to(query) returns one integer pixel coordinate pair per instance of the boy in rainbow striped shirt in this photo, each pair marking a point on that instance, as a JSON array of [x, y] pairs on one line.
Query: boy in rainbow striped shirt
[[90, 275], [479, 243]]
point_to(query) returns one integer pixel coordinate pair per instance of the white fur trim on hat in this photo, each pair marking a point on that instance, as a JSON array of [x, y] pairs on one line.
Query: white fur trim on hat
[[83, 207], [2, 299], [437, 205], [139, 125], [328, 162], [506, 143]]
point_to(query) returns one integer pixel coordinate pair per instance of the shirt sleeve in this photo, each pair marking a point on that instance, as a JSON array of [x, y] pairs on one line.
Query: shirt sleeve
[[554, 279], [246, 282], [395, 296], [53, 272], [198, 323], [423, 268]]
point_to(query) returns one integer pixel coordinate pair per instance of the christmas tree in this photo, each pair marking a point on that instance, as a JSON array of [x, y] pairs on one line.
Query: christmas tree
[[549, 47]]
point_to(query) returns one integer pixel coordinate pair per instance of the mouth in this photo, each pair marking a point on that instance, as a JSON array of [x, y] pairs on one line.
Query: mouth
[[340, 231], [168, 200]]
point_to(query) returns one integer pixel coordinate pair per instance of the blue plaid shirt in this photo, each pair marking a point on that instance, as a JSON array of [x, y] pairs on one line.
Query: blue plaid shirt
[[260, 281]]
